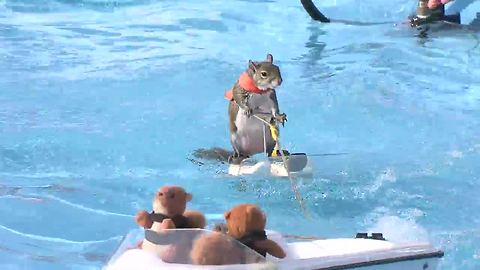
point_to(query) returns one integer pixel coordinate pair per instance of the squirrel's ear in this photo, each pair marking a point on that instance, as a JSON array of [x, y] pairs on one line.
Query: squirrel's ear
[[269, 58], [252, 65]]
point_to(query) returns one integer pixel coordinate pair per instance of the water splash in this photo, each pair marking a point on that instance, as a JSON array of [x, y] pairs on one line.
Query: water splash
[[400, 230], [388, 175]]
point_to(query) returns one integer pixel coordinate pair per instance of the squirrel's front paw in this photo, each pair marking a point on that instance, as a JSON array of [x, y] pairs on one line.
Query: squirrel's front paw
[[282, 118]]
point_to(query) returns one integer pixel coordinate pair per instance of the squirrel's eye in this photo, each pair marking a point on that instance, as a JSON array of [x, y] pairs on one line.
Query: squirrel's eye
[[263, 74]]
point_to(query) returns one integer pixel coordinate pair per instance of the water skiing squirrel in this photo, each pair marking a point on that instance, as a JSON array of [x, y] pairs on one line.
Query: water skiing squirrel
[[254, 93]]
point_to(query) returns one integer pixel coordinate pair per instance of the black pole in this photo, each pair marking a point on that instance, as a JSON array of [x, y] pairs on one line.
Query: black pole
[[313, 11]]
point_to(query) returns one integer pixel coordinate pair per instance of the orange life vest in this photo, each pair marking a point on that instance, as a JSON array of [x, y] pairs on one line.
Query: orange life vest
[[247, 83]]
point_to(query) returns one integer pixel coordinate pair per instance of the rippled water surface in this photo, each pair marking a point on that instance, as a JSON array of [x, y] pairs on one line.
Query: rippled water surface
[[102, 102]]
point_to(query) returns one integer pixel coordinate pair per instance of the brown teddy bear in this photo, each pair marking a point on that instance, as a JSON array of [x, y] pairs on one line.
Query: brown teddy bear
[[169, 212], [216, 249], [246, 223]]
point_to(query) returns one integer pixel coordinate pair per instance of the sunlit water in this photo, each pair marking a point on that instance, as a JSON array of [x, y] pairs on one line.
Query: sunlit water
[[102, 102]]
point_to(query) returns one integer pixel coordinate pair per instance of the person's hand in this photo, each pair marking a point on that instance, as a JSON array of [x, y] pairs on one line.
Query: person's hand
[[435, 3]]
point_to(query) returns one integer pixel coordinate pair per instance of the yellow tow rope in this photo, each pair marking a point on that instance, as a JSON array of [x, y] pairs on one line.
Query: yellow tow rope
[[275, 136]]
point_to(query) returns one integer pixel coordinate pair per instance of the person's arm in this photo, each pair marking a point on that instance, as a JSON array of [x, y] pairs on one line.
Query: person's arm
[[435, 3], [459, 5]]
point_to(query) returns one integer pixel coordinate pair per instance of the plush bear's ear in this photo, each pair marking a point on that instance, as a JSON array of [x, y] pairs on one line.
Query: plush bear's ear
[[188, 196], [227, 214]]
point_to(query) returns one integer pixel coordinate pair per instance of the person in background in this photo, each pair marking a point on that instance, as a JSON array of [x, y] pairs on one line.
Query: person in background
[[435, 3]]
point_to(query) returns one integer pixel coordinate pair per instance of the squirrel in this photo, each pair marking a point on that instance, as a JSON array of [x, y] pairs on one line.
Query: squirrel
[[254, 93]]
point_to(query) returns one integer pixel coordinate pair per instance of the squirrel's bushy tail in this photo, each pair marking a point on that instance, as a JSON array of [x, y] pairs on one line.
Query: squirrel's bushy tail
[[214, 153]]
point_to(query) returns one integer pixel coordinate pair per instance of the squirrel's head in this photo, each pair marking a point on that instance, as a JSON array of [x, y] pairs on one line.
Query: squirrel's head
[[265, 74]]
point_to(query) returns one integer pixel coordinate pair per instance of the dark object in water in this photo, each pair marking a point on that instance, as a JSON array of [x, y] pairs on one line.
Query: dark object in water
[[313, 11], [317, 15]]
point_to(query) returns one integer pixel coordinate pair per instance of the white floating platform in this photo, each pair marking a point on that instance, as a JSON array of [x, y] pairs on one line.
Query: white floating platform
[[328, 254], [299, 165]]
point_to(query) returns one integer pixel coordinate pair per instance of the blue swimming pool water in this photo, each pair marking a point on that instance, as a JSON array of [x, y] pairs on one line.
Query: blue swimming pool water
[[101, 102]]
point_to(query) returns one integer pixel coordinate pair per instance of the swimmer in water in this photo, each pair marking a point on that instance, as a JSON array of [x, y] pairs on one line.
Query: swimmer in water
[[428, 11]]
